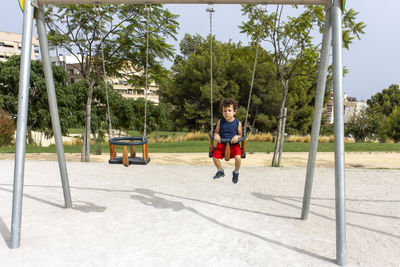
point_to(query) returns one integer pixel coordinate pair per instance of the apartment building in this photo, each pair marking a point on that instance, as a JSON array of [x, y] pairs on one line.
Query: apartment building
[[120, 84], [11, 44], [351, 107]]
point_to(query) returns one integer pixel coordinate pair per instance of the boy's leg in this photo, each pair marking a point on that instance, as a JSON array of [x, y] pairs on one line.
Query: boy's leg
[[217, 163], [220, 173], [238, 162], [235, 173]]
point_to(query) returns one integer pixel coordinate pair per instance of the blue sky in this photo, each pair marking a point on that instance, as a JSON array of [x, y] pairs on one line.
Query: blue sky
[[372, 62]]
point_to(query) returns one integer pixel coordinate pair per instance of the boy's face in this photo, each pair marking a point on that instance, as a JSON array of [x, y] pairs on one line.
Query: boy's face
[[228, 112]]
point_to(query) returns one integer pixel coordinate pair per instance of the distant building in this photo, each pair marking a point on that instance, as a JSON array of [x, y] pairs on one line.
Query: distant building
[[351, 107], [11, 44], [71, 65]]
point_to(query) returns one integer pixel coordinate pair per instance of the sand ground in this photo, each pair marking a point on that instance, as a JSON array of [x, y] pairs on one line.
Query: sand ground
[[364, 160], [176, 215]]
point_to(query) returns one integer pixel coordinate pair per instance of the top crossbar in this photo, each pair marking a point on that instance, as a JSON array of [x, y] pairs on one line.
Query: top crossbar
[[283, 2]]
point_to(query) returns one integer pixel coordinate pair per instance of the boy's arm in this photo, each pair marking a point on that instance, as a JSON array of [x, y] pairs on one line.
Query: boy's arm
[[217, 138], [240, 132], [235, 139]]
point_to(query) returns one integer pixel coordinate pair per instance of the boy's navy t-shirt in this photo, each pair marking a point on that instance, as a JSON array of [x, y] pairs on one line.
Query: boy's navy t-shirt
[[228, 129]]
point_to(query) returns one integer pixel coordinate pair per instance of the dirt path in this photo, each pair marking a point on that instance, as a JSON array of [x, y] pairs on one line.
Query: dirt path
[[374, 160]]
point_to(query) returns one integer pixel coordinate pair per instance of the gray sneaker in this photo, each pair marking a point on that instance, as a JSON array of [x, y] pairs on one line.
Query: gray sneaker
[[235, 177], [219, 174]]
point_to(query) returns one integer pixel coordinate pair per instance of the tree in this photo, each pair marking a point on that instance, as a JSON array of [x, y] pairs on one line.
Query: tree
[[368, 124], [291, 42], [7, 129], [386, 100], [38, 112], [120, 30], [392, 124], [189, 92]]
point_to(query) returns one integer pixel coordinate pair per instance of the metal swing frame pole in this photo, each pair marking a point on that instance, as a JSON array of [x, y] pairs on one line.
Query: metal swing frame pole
[[319, 101], [340, 198], [51, 93], [22, 120]]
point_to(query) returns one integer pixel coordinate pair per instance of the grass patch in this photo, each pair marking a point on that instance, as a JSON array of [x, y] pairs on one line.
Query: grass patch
[[202, 146]]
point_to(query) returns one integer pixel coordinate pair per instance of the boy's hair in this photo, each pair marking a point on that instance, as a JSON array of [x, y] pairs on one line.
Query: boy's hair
[[226, 102]]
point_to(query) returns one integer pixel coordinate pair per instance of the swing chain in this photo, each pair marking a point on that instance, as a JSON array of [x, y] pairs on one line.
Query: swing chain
[[262, 11], [148, 10], [210, 10], [106, 82]]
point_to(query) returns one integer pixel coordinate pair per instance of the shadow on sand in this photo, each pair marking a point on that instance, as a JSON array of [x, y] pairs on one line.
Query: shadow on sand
[[147, 197]]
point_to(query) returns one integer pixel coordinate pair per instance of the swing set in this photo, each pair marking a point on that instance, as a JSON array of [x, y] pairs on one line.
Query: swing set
[[131, 142], [331, 38]]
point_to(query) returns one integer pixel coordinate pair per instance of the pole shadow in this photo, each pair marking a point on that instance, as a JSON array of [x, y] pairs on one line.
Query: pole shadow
[[5, 233], [84, 207], [277, 199], [148, 197]]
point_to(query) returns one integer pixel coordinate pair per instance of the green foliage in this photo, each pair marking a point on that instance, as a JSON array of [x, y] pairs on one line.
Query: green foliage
[[38, 112], [7, 129], [367, 125], [392, 124], [327, 129], [190, 90], [385, 101], [114, 35], [126, 113]]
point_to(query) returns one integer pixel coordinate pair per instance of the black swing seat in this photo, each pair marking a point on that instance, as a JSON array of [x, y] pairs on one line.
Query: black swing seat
[[132, 161], [227, 141], [131, 142]]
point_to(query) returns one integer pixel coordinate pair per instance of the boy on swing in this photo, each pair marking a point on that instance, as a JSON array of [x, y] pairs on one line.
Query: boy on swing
[[228, 127]]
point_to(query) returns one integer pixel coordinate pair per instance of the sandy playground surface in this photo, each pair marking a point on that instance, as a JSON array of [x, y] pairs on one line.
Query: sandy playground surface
[[364, 160], [176, 215]]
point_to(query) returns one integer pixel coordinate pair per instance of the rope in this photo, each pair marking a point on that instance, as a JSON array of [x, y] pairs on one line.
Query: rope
[[148, 8], [110, 131], [254, 71], [210, 10]]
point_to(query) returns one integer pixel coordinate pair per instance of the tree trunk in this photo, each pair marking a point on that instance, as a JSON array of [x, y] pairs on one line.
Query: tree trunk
[[254, 120], [282, 136], [85, 155], [285, 84], [29, 134]]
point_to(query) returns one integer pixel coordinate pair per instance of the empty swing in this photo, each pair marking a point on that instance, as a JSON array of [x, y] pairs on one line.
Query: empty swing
[[241, 140], [131, 142]]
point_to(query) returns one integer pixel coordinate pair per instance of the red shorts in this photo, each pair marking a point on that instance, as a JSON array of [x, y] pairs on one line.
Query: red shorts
[[219, 151]]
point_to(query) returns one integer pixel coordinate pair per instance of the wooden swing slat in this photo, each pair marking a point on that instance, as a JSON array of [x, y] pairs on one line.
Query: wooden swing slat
[[133, 151], [227, 152], [111, 151], [144, 152], [125, 157]]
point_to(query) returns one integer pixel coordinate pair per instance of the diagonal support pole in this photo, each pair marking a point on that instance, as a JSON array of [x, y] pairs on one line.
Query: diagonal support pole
[[51, 93], [23, 97], [316, 124]]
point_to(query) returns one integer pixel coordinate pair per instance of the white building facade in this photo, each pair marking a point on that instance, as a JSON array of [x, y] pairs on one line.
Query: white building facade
[[11, 44]]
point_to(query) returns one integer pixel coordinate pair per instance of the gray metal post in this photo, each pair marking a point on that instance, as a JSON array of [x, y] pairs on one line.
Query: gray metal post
[[22, 119], [339, 133], [51, 93], [316, 124]]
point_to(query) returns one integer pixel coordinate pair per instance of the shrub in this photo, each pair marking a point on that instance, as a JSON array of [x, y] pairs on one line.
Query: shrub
[[7, 129]]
